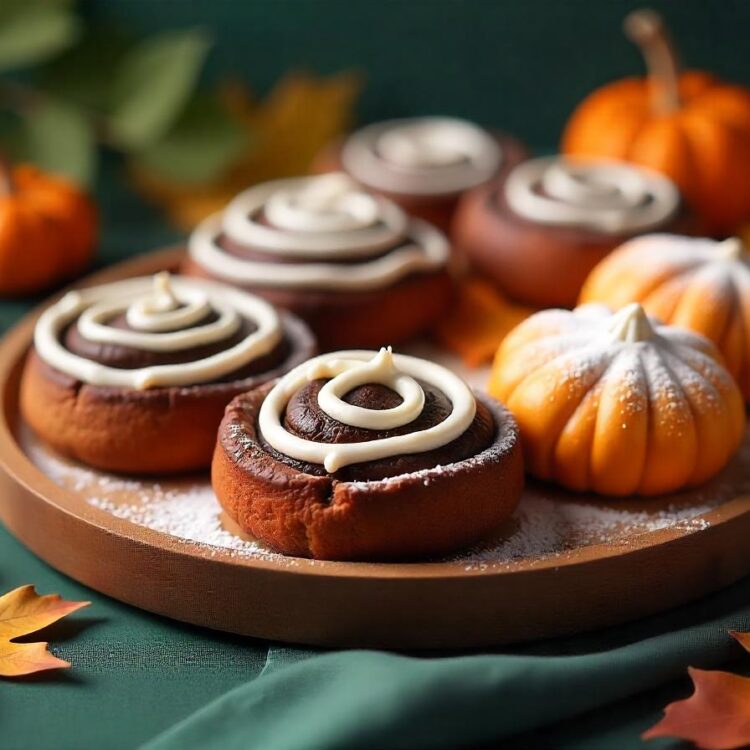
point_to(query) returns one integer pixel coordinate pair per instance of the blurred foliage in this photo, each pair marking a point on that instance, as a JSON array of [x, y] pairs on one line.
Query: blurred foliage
[[67, 89], [301, 116]]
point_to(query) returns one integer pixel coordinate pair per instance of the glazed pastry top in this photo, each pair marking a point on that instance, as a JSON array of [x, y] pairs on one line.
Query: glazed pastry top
[[315, 233], [603, 196], [415, 406], [421, 156], [157, 331]]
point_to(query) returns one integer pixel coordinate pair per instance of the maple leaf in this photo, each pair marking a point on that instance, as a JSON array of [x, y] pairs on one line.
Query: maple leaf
[[716, 716], [479, 320], [22, 612], [286, 130]]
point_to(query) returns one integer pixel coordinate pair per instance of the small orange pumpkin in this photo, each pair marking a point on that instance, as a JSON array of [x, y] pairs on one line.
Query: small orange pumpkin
[[615, 403], [692, 127], [47, 229], [695, 283]]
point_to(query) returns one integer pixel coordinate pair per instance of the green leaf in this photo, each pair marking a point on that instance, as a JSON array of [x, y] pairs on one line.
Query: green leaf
[[32, 31], [199, 148], [83, 74], [153, 84], [58, 138]]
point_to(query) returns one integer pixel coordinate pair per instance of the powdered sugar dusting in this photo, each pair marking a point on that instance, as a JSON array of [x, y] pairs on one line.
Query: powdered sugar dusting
[[546, 524]]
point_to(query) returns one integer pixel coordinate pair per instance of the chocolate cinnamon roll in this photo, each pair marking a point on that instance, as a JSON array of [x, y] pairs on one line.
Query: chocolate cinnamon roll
[[424, 164], [134, 376], [540, 232], [367, 455], [351, 264]]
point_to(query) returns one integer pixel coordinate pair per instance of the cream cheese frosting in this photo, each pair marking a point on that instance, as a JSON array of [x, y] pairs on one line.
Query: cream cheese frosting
[[346, 370], [605, 196], [421, 156], [164, 315], [314, 223]]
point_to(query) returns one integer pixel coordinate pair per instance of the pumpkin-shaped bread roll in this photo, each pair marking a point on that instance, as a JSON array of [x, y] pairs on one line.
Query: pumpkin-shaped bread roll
[[616, 403], [695, 283]]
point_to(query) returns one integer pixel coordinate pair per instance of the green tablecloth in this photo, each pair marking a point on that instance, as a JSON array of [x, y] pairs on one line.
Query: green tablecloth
[[139, 678]]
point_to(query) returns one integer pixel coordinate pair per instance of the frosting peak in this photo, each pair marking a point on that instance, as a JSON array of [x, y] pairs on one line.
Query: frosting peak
[[347, 370], [321, 232], [163, 314]]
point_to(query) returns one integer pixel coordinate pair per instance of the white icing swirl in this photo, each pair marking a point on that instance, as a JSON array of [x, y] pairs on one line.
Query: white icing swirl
[[314, 223], [606, 196], [164, 314], [421, 156], [349, 369]]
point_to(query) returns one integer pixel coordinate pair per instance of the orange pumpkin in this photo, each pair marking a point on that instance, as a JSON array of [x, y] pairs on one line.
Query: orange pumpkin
[[692, 127], [615, 403], [47, 229], [695, 283]]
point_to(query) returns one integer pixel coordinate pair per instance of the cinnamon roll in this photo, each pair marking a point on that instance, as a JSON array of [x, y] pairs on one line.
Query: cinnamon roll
[[367, 455], [134, 376], [423, 163], [540, 232], [350, 263]]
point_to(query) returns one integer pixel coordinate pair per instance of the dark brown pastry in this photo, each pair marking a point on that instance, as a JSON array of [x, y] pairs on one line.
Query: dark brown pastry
[[348, 504], [98, 391], [424, 164], [352, 265]]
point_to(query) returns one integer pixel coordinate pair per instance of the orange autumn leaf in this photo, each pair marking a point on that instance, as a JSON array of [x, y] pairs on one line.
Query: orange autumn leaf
[[742, 638], [479, 320], [715, 717], [22, 612], [300, 116]]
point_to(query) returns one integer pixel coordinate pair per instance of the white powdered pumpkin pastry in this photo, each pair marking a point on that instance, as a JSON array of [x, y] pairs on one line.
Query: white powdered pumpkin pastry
[[617, 403], [540, 232], [134, 376], [352, 264], [423, 163], [695, 283], [367, 455]]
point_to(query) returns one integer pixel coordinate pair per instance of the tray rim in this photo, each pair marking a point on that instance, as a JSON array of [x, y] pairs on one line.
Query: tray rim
[[23, 473]]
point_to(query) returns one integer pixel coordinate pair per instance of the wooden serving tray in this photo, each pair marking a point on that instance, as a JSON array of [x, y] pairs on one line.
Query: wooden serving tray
[[563, 564]]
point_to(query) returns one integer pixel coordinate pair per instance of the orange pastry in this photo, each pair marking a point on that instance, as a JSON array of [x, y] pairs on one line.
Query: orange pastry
[[617, 404], [695, 283]]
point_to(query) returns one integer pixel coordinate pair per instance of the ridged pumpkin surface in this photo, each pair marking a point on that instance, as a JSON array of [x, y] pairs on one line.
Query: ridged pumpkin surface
[[616, 404], [698, 284]]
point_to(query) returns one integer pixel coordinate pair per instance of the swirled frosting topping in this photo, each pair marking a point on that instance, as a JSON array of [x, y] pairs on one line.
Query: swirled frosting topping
[[421, 156], [605, 196], [161, 314], [315, 233], [346, 370]]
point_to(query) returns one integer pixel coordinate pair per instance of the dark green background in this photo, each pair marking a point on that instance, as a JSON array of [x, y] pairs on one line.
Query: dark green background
[[520, 65], [517, 64]]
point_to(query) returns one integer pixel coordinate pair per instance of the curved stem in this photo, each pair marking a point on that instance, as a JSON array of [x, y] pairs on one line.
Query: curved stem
[[646, 29]]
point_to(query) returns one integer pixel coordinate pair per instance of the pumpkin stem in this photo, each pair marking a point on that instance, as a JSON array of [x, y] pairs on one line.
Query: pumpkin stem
[[7, 186], [731, 248], [646, 29], [631, 324]]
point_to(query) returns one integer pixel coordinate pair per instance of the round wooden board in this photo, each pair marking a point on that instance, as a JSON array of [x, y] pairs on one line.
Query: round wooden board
[[668, 551]]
